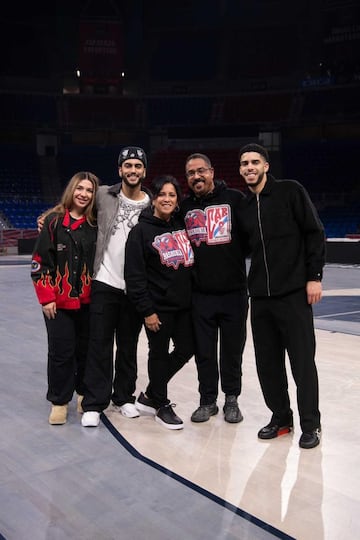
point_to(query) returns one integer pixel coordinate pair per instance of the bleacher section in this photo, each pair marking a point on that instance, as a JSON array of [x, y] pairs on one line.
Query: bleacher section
[[117, 112], [95, 111], [22, 213], [332, 103], [341, 221], [28, 110], [19, 171], [179, 111], [259, 107], [319, 165], [20, 186], [317, 162]]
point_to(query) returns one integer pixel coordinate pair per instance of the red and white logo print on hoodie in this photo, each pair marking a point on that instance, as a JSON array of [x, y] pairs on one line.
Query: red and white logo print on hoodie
[[212, 225], [174, 249]]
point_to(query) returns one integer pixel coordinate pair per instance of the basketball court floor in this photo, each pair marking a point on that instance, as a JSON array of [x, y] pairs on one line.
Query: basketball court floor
[[132, 479]]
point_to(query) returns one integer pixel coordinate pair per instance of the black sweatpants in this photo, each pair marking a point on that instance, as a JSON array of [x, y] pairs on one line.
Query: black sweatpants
[[219, 317], [282, 324], [68, 336], [162, 364], [111, 316]]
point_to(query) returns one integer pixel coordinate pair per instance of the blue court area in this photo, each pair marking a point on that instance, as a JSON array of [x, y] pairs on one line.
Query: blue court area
[[341, 308]]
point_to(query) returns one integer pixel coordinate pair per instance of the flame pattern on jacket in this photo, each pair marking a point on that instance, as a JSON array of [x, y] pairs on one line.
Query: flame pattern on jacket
[[62, 262]]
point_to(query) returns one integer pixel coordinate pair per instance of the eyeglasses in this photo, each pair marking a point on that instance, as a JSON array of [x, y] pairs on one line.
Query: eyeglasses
[[200, 172]]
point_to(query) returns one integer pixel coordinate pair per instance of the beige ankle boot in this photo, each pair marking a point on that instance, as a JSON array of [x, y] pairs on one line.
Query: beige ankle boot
[[58, 414], [79, 401]]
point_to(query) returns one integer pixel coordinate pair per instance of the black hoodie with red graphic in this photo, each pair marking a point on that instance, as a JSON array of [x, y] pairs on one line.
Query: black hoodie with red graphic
[[158, 265], [212, 226], [62, 261]]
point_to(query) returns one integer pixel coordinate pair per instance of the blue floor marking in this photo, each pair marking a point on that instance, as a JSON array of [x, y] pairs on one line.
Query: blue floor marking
[[191, 485]]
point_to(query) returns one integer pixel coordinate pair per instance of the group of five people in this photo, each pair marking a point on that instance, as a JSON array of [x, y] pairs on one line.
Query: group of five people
[[178, 267]]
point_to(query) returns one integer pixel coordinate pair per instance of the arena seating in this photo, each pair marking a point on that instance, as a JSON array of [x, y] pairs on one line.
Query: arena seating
[[340, 221], [19, 171], [22, 213]]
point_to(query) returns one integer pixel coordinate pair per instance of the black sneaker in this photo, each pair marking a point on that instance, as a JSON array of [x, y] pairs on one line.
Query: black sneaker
[[145, 405], [203, 413], [166, 417], [310, 439], [231, 410], [274, 430]]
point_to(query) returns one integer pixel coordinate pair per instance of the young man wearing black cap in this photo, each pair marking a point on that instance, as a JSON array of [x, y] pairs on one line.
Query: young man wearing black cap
[[287, 245], [111, 313]]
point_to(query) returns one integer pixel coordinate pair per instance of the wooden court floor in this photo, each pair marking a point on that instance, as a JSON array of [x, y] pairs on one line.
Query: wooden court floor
[[132, 478]]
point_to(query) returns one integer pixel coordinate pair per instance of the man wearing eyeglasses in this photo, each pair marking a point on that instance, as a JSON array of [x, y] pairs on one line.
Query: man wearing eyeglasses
[[220, 302]]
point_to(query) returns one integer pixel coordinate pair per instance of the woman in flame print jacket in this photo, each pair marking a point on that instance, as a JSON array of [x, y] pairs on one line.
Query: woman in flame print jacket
[[61, 270]]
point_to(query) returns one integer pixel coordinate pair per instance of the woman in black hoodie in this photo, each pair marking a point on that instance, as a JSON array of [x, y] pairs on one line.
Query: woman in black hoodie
[[158, 264]]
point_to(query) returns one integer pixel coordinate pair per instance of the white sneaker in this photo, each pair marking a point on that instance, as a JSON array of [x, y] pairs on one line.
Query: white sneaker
[[128, 409], [90, 419]]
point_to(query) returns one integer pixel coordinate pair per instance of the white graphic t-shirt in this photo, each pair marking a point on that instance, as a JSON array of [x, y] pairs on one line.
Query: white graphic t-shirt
[[111, 270]]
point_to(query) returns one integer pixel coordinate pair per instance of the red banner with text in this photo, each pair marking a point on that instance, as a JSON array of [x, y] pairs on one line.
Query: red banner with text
[[101, 51]]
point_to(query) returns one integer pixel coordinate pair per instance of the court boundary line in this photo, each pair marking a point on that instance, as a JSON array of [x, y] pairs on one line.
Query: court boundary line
[[194, 487]]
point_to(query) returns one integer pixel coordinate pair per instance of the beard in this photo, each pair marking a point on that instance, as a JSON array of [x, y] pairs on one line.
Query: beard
[[258, 181], [132, 184]]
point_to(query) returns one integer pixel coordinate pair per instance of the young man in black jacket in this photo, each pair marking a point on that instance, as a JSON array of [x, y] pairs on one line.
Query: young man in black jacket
[[287, 245], [220, 301]]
